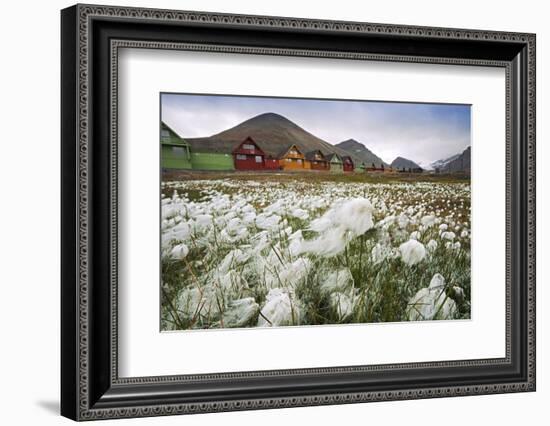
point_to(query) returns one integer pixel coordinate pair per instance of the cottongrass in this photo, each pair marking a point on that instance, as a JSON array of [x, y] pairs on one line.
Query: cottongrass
[[241, 254]]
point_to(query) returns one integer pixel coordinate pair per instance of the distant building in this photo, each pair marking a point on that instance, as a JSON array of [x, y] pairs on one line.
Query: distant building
[[248, 156], [335, 163], [410, 170], [348, 164], [291, 158], [374, 169], [315, 160], [175, 152]]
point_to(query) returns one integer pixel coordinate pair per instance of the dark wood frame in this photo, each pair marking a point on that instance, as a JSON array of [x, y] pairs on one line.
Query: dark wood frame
[[90, 386]]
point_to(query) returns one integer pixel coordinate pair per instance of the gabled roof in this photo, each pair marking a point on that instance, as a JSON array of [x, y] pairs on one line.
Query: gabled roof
[[248, 139], [346, 158], [329, 158], [311, 155], [175, 139], [284, 152]]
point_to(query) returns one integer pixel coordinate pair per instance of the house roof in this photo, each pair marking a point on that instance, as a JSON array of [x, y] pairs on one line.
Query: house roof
[[175, 139], [329, 158], [311, 155], [247, 140], [284, 152]]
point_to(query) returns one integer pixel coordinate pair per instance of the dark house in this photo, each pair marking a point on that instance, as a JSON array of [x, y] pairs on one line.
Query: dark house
[[348, 164], [248, 156], [315, 160]]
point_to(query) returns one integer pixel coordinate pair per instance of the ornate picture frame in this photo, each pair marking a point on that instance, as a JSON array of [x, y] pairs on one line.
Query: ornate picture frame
[[91, 37]]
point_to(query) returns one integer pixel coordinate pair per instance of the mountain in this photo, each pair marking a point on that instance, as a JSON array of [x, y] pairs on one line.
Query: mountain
[[274, 134], [459, 164], [361, 152], [440, 164], [403, 163]]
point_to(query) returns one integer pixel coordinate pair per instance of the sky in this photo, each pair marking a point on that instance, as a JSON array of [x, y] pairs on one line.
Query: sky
[[423, 133]]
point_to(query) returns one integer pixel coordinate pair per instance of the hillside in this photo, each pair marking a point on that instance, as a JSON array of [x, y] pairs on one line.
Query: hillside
[[459, 164], [360, 151], [441, 164], [404, 163], [273, 132]]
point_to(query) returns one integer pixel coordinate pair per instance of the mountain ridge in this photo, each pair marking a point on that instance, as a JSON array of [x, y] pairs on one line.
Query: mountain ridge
[[359, 149], [462, 163], [404, 163], [273, 132]]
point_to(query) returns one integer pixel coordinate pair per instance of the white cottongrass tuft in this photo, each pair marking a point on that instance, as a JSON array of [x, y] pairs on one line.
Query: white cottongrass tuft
[[278, 310], [291, 274], [179, 252], [338, 226], [233, 258], [415, 235], [342, 304], [412, 252], [339, 280], [356, 215], [240, 312], [432, 245], [193, 302], [267, 222], [380, 252], [428, 221], [432, 302], [448, 235], [296, 243], [402, 221], [299, 214]]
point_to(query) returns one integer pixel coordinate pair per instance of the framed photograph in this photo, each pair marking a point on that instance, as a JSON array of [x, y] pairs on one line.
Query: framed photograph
[[263, 212]]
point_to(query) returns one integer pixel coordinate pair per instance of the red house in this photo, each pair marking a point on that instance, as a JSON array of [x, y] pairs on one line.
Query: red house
[[248, 156], [348, 164], [271, 163]]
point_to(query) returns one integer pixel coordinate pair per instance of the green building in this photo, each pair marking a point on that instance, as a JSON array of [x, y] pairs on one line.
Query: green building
[[175, 153], [335, 163], [211, 161], [360, 168]]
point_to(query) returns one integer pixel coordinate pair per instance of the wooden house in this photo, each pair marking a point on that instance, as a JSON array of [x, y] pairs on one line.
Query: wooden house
[[360, 168], [175, 151], [248, 156], [348, 164], [271, 163], [410, 170], [374, 169], [335, 163], [315, 160], [291, 159]]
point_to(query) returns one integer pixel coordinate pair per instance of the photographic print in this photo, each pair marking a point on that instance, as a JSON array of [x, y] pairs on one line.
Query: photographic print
[[302, 212]]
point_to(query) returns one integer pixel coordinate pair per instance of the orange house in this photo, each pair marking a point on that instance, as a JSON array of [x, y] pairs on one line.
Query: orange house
[[291, 159]]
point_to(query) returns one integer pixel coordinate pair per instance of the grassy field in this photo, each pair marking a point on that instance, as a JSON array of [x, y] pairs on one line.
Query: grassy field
[[281, 249]]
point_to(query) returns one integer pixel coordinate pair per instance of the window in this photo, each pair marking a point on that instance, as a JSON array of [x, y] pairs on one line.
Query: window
[[178, 151], [241, 157], [299, 161], [288, 160], [258, 158], [165, 134], [249, 147]]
